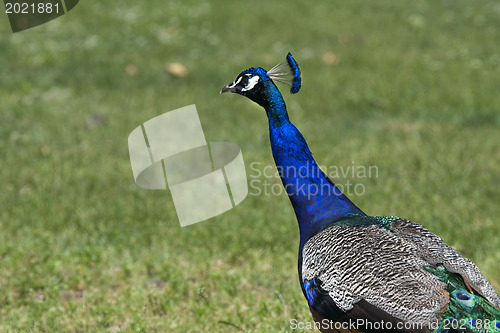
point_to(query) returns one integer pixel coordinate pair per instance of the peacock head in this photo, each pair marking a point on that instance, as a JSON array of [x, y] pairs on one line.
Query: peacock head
[[258, 85]]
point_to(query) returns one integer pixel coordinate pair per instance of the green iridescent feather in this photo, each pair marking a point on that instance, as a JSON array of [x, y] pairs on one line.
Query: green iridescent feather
[[466, 312], [358, 220]]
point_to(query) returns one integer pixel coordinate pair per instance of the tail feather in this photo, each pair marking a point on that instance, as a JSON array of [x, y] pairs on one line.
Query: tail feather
[[467, 311]]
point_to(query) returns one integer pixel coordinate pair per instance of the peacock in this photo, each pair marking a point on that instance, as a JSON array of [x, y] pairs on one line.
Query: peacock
[[362, 273]]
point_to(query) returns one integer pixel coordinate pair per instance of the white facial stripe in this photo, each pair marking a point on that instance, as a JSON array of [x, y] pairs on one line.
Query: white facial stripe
[[235, 83], [251, 83]]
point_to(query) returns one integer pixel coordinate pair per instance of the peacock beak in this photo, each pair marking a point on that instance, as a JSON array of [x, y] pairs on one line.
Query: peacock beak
[[229, 88]]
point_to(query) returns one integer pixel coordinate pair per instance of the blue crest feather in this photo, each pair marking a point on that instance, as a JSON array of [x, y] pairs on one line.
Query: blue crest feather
[[294, 67], [288, 73]]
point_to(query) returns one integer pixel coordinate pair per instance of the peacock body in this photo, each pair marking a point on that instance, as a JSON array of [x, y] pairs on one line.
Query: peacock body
[[363, 273]]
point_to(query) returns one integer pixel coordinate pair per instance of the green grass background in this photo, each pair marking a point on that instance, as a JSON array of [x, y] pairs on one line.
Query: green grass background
[[413, 90]]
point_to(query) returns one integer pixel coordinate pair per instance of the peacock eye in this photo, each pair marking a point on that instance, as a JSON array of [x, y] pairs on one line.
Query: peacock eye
[[244, 81], [249, 82]]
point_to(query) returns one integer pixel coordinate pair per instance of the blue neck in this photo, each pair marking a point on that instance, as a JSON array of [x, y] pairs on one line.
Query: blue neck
[[315, 198]]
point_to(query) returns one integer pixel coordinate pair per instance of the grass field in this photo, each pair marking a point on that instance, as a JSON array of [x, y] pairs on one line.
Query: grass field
[[410, 88]]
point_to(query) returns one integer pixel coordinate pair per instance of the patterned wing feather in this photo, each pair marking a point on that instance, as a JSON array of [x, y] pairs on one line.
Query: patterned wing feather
[[385, 262], [436, 251]]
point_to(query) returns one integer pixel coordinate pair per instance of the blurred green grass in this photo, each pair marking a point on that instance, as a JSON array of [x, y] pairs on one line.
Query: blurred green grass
[[411, 88]]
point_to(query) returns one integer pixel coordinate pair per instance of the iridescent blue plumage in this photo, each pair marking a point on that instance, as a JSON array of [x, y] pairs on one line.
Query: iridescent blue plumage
[[294, 67], [358, 267], [288, 73]]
